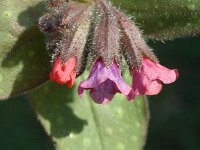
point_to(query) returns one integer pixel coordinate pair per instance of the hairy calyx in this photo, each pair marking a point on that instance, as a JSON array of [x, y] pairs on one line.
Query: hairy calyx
[[113, 37]]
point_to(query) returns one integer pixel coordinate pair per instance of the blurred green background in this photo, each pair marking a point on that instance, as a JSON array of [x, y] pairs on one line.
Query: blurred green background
[[174, 123]]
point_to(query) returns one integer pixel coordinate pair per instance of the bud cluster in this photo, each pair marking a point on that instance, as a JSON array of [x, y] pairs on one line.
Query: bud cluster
[[113, 37]]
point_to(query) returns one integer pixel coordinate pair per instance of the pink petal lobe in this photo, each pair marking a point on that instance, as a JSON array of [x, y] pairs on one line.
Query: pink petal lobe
[[156, 71], [148, 79], [153, 88]]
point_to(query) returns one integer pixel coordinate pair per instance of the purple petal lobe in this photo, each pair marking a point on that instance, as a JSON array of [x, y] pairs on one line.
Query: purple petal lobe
[[104, 92], [104, 82]]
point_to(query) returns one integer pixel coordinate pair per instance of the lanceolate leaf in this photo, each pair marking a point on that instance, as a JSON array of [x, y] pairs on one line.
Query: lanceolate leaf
[[24, 62], [75, 123], [164, 19]]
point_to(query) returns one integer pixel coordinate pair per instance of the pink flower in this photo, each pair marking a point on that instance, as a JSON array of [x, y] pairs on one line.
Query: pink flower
[[64, 73], [104, 82], [147, 80]]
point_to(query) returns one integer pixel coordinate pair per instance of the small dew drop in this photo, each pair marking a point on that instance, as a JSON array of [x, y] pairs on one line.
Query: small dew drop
[[119, 111], [7, 14], [137, 124], [109, 131], [134, 139], [86, 142], [71, 135], [120, 146]]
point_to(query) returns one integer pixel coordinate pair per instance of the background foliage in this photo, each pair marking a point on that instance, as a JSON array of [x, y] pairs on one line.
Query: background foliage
[[174, 122]]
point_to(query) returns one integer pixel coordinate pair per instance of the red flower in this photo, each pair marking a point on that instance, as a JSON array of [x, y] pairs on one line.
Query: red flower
[[147, 80], [64, 73]]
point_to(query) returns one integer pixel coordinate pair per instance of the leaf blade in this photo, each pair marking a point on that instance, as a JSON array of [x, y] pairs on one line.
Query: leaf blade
[[24, 62], [119, 125], [166, 19]]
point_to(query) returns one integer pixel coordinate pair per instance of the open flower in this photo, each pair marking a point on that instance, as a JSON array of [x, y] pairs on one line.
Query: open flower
[[104, 82], [147, 80], [64, 73], [115, 37]]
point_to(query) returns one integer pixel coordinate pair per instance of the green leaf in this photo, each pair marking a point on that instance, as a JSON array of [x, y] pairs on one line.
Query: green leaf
[[164, 19], [75, 123], [24, 62]]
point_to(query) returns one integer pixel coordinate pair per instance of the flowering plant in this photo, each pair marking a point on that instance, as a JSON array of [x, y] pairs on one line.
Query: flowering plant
[[114, 37], [95, 48]]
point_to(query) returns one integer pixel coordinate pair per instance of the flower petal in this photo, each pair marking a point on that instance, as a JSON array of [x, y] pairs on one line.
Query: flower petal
[[156, 71], [148, 79], [64, 73], [56, 67], [104, 82], [142, 85], [97, 75], [115, 76], [103, 93], [70, 83], [153, 87]]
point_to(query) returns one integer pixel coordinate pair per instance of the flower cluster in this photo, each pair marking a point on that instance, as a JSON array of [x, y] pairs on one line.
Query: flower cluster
[[113, 37]]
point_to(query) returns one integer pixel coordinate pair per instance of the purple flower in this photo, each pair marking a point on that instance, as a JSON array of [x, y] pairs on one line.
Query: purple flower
[[104, 82]]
